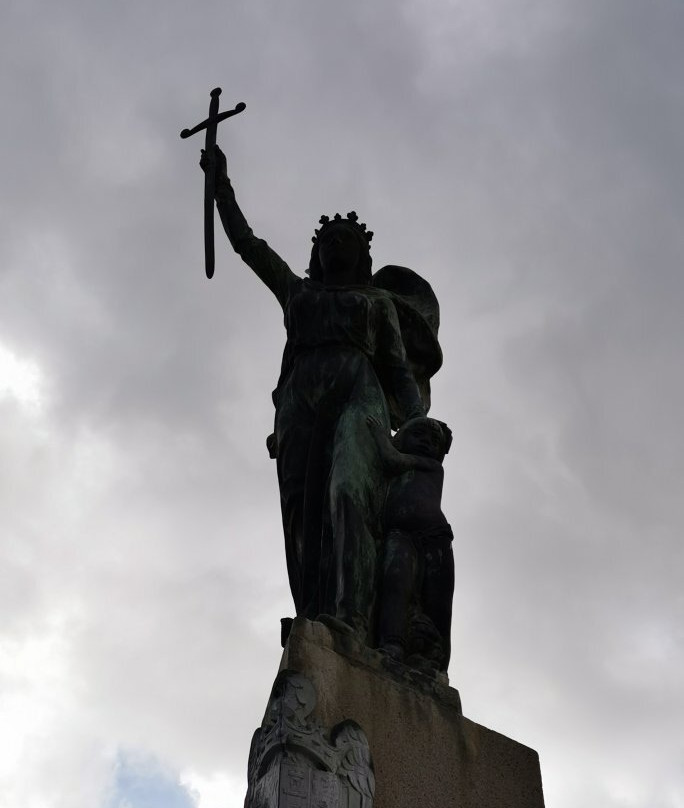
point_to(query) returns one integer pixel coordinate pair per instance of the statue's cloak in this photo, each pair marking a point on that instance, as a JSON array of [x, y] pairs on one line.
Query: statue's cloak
[[418, 311]]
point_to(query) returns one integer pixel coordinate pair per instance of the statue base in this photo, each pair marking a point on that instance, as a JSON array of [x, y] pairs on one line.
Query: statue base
[[424, 751]]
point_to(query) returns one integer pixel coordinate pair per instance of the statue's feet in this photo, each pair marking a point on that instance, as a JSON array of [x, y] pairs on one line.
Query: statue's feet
[[430, 667], [392, 650], [337, 624]]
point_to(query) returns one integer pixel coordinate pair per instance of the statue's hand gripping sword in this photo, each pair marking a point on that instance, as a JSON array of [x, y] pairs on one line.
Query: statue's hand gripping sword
[[210, 125]]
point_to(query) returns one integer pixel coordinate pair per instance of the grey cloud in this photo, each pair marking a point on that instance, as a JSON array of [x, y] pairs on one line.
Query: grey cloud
[[524, 157]]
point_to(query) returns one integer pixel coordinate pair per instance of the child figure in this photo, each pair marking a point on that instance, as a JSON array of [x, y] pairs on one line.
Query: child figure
[[417, 582]]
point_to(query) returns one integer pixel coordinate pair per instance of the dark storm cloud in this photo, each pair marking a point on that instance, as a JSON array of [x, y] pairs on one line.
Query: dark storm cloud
[[525, 157]]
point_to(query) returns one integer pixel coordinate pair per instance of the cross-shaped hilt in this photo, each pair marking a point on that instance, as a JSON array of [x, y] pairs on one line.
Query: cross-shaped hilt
[[211, 124]]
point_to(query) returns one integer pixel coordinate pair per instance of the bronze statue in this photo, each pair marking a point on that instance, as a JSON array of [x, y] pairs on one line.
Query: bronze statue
[[358, 345]]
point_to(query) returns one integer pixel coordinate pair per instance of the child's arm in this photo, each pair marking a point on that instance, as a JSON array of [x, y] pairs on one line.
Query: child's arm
[[389, 456], [394, 461]]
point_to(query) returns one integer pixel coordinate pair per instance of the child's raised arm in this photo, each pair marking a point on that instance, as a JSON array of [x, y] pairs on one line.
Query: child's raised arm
[[394, 461]]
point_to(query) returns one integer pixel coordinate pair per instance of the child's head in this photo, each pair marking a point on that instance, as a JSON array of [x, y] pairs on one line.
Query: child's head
[[424, 436]]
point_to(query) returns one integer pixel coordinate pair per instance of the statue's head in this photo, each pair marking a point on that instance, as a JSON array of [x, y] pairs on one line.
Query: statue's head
[[424, 436], [341, 252]]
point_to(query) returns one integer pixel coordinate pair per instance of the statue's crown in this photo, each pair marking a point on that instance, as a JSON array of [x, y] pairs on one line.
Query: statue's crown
[[352, 220]]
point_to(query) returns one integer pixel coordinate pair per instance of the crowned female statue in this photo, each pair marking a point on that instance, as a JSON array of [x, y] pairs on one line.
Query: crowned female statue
[[358, 345]]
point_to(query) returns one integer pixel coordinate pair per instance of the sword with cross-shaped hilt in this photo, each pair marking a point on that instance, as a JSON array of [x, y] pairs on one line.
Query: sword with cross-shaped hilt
[[210, 125]]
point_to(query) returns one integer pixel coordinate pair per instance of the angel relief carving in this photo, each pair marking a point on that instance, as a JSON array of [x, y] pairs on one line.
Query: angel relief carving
[[294, 762]]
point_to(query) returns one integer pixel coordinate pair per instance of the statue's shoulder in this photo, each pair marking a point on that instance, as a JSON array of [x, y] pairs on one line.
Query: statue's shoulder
[[410, 291]]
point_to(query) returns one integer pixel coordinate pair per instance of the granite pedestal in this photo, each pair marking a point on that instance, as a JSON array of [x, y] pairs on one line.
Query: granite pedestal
[[425, 753]]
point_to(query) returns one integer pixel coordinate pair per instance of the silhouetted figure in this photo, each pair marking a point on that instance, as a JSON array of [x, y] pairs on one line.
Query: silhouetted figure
[[345, 359], [417, 581]]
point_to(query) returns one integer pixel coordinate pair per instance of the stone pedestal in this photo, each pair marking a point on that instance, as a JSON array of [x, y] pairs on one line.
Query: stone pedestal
[[425, 753]]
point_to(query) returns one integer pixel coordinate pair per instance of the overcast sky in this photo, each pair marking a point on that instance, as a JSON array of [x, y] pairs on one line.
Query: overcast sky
[[523, 155]]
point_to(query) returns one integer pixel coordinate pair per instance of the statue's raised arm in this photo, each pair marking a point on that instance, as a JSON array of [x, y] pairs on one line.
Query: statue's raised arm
[[255, 252]]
